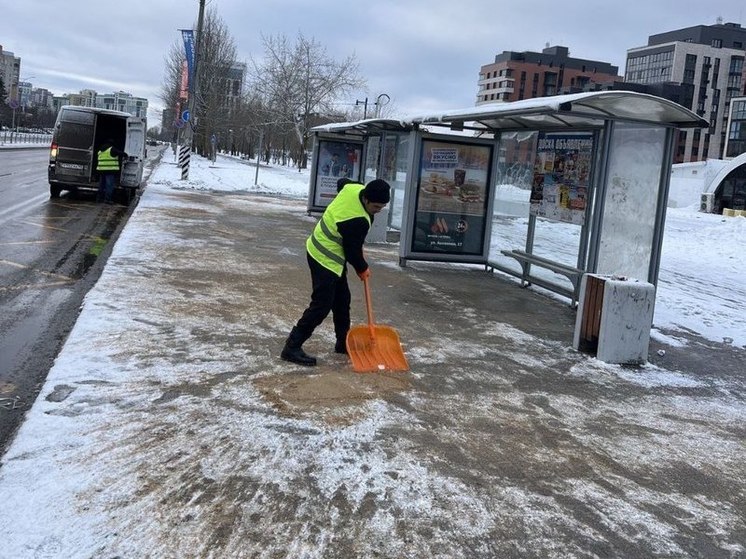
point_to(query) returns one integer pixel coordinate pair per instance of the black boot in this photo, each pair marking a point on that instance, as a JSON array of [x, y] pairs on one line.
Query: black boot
[[297, 355], [293, 351], [341, 347]]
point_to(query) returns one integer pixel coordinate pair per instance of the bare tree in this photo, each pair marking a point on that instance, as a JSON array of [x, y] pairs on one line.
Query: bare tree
[[299, 81], [214, 108], [217, 57], [5, 111], [171, 92]]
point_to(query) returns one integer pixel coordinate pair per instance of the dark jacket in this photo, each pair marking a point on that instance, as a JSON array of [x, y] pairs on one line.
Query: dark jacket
[[353, 233]]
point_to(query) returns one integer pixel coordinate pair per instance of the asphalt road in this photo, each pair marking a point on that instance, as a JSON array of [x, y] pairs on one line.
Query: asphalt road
[[51, 252]]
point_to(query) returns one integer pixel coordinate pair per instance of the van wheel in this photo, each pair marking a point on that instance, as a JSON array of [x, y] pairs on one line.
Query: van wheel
[[129, 195], [54, 191]]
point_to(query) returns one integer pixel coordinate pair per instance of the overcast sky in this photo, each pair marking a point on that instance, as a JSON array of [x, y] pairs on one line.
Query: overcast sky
[[425, 54]]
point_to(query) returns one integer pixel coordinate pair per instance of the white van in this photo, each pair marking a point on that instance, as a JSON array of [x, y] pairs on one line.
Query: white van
[[77, 137]]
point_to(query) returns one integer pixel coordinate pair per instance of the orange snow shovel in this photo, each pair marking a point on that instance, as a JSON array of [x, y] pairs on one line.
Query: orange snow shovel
[[375, 347]]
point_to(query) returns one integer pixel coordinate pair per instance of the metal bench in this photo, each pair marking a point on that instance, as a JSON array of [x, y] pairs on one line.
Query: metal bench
[[575, 275]]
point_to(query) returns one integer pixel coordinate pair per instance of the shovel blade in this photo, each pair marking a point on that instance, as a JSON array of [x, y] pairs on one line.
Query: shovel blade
[[383, 352]]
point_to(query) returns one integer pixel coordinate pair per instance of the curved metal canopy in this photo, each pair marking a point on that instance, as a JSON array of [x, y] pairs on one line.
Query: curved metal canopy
[[577, 110], [560, 112]]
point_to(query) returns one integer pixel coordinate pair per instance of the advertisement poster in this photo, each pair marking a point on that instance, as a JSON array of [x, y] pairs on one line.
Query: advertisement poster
[[562, 169], [452, 194], [336, 160]]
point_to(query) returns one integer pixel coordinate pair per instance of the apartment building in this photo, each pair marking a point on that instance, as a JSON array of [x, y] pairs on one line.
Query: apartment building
[[117, 101], [735, 139], [709, 58], [122, 101], [524, 75], [10, 70]]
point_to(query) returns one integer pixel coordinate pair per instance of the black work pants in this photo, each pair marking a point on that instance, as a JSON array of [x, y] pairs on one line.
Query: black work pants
[[330, 293]]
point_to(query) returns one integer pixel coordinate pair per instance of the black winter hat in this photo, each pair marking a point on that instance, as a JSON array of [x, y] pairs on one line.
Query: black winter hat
[[377, 191]]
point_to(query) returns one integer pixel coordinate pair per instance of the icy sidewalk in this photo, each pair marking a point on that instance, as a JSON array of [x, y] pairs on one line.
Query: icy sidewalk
[[169, 427]]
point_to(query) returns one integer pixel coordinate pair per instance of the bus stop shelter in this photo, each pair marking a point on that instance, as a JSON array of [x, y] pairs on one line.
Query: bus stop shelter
[[597, 163]]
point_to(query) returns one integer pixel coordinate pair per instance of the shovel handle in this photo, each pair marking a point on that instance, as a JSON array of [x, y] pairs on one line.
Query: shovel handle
[[369, 307]]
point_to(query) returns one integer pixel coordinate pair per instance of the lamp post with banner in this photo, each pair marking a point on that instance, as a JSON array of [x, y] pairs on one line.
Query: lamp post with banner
[[192, 55]]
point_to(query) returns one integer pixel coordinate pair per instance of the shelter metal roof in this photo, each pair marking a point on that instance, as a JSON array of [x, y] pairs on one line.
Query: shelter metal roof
[[560, 112], [367, 127]]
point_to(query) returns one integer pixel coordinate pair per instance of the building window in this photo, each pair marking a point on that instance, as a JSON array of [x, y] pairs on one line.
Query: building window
[[717, 43]]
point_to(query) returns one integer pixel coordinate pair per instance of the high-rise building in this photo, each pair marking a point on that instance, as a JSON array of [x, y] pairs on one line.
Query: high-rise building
[[24, 93], [122, 101], [10, 71], [41, 97], [735, 139], [86, 98], [524, 75], [118, 101], [709, 58], [232, 84]]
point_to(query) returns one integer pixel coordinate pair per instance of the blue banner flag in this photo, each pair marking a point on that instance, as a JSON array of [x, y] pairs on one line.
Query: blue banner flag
[[188, 36]]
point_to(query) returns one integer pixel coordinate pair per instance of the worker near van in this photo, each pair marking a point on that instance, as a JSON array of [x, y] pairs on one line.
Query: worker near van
[[336, 241], [108, 165]]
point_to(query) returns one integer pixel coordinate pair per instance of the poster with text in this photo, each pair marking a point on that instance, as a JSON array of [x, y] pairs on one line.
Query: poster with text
[[336, 160], [452, 194], [562, 169]]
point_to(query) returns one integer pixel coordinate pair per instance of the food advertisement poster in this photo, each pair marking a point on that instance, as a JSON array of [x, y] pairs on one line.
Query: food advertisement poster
[[452, 194], [336, 160], [562, 169]]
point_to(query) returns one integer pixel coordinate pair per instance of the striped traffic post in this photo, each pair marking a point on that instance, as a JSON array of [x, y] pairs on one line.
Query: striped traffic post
[[184, 151]]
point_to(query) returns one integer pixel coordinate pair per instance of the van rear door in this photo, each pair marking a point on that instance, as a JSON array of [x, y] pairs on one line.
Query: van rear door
[[134, 147], [74, 136]]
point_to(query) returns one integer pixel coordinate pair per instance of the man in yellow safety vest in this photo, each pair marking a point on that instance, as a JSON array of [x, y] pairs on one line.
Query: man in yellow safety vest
[[336, 241], [108, 164]]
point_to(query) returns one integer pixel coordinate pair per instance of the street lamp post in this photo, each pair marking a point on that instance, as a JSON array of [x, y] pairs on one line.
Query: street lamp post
[[365, 107], [379, 103]]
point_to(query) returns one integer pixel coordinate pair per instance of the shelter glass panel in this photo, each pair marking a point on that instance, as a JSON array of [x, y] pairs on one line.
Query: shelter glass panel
[[513, 174], [336, 160], [559, 189], [452, 192], [395, 160], [629, 208]]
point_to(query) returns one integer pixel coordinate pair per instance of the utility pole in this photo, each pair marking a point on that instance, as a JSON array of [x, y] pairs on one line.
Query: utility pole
[[194, 90]]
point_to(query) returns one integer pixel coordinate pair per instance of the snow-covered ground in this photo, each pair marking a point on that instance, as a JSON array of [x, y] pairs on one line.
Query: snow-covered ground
[[162, 432]]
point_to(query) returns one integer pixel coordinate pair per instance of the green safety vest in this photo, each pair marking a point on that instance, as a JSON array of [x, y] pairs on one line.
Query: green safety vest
[[325, 243], [106, 161]]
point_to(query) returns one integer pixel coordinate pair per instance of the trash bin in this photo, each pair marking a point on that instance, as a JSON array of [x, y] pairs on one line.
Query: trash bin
[[614, 319]]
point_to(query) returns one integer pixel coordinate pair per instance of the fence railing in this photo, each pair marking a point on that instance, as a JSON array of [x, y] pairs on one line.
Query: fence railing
[[8, 137]]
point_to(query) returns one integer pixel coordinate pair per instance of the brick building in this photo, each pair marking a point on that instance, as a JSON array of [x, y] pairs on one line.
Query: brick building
[[524, 75]]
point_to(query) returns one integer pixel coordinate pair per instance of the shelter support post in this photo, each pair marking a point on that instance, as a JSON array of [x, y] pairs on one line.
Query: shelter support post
[[660, 218]]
